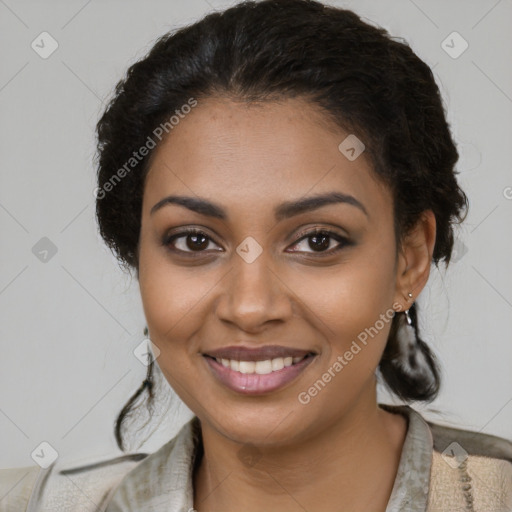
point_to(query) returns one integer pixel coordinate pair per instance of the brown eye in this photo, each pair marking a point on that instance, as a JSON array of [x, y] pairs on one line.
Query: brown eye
[[188, 241], [320, 241], [196, 241]]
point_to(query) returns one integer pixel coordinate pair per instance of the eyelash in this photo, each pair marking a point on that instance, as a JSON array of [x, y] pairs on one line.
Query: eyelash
[[343, 241]]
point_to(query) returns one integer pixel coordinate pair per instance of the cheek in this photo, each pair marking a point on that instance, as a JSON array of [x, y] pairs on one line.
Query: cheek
[[353, 308], [172, 301], [168, 291]]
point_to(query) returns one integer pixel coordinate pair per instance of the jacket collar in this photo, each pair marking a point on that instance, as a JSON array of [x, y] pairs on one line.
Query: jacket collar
[[162, 482], [412, 481]]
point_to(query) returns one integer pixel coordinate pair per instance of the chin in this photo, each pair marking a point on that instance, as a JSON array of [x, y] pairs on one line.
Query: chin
[[259, 425]]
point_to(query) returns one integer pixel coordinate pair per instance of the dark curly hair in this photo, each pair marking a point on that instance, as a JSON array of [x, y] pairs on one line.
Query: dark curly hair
[[369, 83]]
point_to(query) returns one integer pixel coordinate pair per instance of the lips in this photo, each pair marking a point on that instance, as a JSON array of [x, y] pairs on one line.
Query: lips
[[244, 377], [256, 371], [264, 353]]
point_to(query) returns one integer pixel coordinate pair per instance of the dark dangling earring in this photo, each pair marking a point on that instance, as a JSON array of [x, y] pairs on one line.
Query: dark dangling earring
[[148, 381], [410, 357], [408, 317]]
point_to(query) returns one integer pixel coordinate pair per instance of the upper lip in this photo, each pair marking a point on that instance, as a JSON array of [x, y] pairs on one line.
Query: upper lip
[[241, 353]]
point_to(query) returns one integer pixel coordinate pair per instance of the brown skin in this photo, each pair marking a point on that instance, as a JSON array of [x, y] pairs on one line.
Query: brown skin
[[340, 450]]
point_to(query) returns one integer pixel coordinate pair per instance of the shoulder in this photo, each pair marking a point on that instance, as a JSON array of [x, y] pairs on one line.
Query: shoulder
[[478, 465], [16, 486], [90, 487], [74, 487], [474, 443], [166, 472]]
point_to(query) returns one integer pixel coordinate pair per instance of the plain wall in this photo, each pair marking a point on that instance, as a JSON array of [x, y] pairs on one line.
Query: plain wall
[[69, 325]]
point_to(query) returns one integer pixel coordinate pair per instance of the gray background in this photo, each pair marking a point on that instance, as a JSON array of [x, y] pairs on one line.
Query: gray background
[[70, 323]]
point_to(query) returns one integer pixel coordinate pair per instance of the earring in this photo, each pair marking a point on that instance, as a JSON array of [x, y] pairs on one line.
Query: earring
[[148, 381], [408, 317], [153, 352], [406, 312], [409, 356]]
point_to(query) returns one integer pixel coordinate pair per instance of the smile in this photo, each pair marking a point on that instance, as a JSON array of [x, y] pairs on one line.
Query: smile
[[259, 367], [257, 377]]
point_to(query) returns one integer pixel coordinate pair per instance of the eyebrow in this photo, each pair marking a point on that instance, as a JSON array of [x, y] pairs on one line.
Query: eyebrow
[[283, 211]]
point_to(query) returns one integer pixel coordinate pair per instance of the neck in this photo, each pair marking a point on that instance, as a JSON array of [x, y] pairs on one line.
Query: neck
[[350, 465]]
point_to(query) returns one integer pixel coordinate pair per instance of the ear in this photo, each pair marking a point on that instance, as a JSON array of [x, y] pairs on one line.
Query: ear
[[414, 260]]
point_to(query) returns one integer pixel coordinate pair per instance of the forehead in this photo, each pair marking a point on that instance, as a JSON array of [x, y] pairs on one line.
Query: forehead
[[248, 156]]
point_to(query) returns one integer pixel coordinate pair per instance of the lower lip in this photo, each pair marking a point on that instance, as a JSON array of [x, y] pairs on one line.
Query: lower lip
[[256, 384]]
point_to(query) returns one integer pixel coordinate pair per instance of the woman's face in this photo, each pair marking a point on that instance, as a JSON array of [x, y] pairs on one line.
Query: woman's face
[[258, 278]]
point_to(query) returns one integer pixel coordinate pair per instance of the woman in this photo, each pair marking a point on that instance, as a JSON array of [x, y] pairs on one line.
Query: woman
[[280, 176]]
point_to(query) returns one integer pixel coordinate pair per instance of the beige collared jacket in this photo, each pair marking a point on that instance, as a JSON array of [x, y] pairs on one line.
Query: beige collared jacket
[[441, 469]]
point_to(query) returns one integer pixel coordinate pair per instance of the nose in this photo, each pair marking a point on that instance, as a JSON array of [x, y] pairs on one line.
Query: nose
[[254, 295]]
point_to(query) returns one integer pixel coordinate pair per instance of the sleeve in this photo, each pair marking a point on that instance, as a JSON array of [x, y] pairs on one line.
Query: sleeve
[[492, 483], [489, 485], [16, 486]]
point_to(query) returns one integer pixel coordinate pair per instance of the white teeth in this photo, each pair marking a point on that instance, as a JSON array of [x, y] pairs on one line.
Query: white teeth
[[277, 364], [263, 367], [247, 367], [259, 367]]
